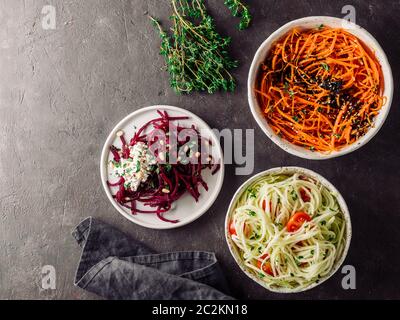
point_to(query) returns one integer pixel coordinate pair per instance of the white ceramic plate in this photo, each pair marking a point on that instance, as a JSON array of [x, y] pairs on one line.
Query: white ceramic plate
[[312, 22], [288, 170], [185, 209]]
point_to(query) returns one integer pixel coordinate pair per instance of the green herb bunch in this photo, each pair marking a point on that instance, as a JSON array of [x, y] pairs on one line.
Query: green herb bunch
[[239, 9], [196, 54]]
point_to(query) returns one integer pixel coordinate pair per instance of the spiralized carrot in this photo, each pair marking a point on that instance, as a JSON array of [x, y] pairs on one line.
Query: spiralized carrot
[[320, 88]]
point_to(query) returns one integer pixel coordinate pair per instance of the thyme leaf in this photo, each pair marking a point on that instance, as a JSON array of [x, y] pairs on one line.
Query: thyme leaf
[[195, 53], [239, 9]]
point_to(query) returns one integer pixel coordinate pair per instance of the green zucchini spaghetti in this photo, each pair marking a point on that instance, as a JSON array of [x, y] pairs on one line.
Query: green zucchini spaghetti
[[288, 229]]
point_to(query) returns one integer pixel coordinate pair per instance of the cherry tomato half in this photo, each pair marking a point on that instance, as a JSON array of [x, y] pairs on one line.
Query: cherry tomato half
[[264, 205], [266, 267], [232, 229], [246, 230], [297, 220], [264, 256], [304, 195]]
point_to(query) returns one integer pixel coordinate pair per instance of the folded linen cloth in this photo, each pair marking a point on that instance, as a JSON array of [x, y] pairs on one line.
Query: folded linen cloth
[[115, 266]]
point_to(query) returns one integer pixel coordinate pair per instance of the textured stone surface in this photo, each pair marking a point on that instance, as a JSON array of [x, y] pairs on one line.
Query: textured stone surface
[[63, 90]]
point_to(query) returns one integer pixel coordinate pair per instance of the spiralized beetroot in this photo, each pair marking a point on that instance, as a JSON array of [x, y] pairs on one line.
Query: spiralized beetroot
[[178, 178]]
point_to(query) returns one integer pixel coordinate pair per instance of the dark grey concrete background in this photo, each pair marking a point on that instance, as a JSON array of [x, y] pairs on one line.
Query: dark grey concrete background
[[63, 90]]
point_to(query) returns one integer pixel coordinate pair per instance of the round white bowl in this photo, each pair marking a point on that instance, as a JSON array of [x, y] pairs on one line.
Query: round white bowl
[[312, 22], [185, 209], [288, 170]]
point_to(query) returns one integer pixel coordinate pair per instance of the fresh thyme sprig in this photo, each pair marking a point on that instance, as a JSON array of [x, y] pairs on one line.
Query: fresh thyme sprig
[[196, 54], [239, 9]]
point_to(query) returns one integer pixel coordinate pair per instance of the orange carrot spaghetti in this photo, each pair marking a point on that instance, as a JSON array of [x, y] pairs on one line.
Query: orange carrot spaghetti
[[320, 88]]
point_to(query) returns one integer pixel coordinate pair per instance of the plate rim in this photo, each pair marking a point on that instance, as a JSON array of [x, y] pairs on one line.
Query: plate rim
[[105, 153]]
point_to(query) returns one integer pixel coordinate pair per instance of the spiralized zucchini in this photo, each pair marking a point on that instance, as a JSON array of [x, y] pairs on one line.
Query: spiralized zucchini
[[284, 259]]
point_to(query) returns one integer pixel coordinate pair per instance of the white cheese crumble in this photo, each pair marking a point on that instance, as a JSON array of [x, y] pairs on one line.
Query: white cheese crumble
[[137, 168]]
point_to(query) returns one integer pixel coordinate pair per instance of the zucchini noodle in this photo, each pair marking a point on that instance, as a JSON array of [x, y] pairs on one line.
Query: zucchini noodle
[[282, 258]]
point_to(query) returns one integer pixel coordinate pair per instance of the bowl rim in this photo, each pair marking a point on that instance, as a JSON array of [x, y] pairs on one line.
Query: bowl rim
[[324, 182], [300, 151], [105, 153]]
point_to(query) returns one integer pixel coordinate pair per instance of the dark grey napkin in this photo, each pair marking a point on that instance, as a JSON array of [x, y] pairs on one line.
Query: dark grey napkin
[[115, 266]]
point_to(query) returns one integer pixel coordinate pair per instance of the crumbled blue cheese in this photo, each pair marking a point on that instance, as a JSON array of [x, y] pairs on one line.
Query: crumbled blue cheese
[[137, 168]]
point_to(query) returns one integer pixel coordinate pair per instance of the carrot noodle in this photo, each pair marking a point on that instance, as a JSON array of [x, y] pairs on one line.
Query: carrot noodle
[[320, 88]]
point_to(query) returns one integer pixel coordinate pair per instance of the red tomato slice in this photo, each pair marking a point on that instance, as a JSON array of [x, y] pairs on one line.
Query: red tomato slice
[[232, 229], [247, 230], [264, 205], [266, 267], [297, 220], [264, 256], [304, 195]]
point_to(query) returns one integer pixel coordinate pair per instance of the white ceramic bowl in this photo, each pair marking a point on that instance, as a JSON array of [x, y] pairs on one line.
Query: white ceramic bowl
[[312, 22], [185, 209], [288, 170]]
